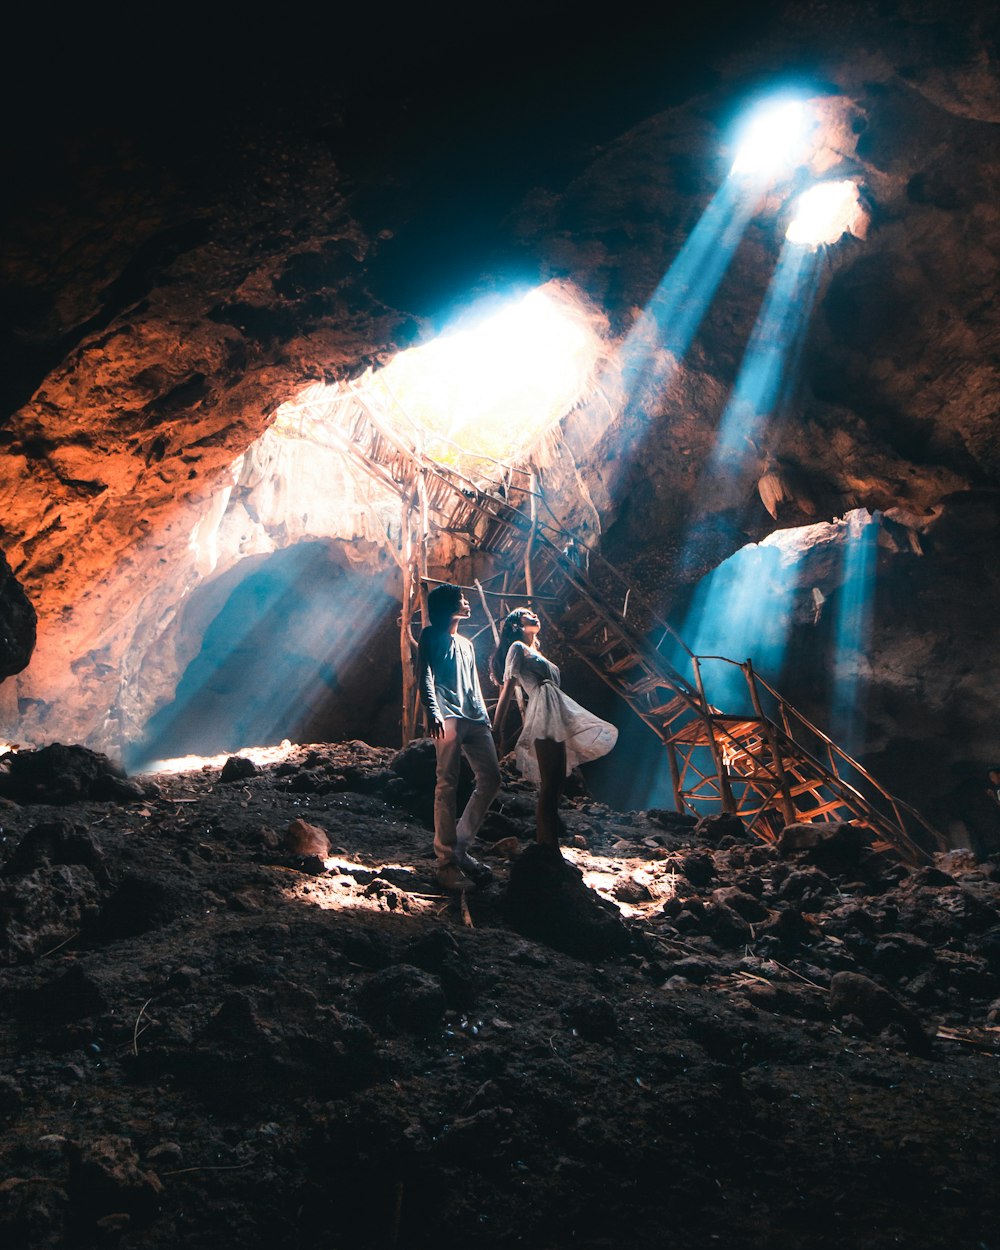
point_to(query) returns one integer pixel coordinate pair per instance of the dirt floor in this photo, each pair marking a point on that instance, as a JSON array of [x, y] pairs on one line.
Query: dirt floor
[[217, 1032]]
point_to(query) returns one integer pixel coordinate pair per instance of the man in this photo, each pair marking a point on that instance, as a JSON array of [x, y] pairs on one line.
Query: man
[[459, 724]]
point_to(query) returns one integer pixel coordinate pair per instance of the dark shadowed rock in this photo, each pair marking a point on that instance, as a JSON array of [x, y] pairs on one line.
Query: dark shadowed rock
[[806, 885], [235, 1021], [806, 835], [675, 822], [56, 842], [726, 825], [691, 968], [854, 995], [698, 867], [33, 1212], [726, 925], [238, 768], [59, 774], [367, 950], [17, 624], [593, 1018], [11, 1096], [42, 910], [788, 927], [72, 996], [416, 763], [432, 950], [834, 846], [404, 997], [901, 955], [105, 1177], [749, 907], [547, 900], [142, 903]]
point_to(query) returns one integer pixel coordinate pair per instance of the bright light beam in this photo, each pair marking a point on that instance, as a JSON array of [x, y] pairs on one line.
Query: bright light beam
[[276, 652], [774, 342], [853, 630], [490, 389], [742, 609], [826, 212], [671, 319], [774, 138]]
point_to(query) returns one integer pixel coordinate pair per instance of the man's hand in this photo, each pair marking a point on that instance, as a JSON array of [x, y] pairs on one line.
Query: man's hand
[[437, 727]]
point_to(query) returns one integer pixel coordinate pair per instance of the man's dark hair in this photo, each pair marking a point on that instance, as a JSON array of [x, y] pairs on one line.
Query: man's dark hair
[[442, 603]]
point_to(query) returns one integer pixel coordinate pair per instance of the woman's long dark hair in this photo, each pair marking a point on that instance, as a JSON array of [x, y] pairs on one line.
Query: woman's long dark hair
[[510, 632]]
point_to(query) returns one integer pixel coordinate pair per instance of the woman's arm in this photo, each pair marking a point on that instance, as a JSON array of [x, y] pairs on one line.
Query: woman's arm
[[503, 703]]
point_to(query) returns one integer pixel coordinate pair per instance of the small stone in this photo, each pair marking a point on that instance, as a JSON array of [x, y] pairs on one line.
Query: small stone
[[238, 768], [691, 969], [167, 1152], [303, 838], [629, 890], [698, 867], [750, 908], [854, 995]]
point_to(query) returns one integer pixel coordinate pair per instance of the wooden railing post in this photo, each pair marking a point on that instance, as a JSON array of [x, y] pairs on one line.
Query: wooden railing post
[[675, 775], [787, 804], [725, 791]]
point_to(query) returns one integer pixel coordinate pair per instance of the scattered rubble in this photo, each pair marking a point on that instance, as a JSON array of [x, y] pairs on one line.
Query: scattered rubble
[[219, 1032]]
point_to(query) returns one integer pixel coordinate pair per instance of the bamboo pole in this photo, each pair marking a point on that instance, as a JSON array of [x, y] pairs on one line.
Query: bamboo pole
[[787, 805], [486, 608], [725, 791], [528, 581], [675, 776], [407, 718]]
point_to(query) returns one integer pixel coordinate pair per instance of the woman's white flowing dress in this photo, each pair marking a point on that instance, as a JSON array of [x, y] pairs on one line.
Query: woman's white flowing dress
[[552, 714]]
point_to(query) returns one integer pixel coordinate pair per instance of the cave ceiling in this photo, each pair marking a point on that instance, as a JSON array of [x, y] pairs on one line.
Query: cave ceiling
[[196, 230]]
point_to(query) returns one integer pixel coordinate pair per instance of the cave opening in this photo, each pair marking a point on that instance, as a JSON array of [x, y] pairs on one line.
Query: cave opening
[[300, 556], [294, 645], [478, 395]]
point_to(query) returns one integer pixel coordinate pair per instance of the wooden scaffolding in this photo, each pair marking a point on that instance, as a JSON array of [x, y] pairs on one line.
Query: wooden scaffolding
[[769, 765]]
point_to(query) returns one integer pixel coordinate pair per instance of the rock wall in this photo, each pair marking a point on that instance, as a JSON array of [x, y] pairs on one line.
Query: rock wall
[[165, 293]]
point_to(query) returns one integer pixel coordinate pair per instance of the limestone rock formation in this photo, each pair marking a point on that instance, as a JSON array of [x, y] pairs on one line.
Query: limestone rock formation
[[172, 275]]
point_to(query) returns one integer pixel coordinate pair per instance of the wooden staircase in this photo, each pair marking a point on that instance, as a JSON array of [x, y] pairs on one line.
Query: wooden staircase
[[771, 766]]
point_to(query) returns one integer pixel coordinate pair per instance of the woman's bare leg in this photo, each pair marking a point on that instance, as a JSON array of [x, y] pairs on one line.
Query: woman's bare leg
[[551, 758]]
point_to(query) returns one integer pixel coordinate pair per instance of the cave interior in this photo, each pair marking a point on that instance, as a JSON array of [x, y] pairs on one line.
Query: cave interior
[[304, 315], [786, 448]]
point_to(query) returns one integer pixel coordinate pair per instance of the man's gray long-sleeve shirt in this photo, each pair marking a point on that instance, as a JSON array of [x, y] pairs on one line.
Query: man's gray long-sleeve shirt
[[449, 681]]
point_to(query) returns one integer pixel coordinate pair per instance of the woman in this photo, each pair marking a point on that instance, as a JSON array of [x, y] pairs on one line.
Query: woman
[[558, 734]]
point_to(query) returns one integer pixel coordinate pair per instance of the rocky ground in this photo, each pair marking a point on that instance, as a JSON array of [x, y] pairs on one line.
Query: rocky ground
[[237, 1011]]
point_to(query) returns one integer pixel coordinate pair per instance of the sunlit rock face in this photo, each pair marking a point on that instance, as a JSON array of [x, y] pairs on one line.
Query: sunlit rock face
[[164, 298]]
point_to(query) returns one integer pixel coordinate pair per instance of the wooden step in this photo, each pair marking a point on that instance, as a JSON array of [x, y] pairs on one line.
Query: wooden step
[[671, 709], [824, 810], [622, 666]]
